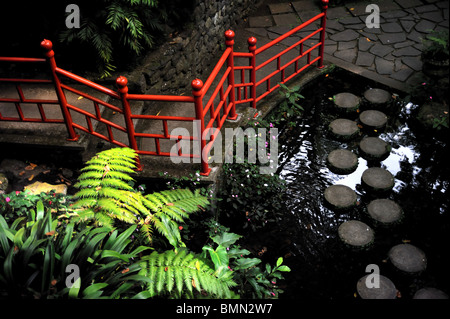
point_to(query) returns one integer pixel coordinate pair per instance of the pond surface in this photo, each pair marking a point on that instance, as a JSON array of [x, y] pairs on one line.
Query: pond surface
[[322, 267]]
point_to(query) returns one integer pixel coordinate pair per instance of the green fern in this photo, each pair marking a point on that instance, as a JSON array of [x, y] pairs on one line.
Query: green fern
[[105, 196], [181, 274]]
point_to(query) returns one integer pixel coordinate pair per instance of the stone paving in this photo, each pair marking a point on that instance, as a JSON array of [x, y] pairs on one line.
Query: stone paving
[[392, 51]]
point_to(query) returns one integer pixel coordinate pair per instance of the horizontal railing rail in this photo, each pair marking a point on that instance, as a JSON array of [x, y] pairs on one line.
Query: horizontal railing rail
[[211, 103]]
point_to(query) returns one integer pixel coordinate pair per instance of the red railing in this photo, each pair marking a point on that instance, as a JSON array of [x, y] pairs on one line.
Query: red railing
[[211, 103]]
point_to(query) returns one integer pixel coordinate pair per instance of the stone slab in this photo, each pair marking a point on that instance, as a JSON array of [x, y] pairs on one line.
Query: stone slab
[[380, 50], [373, 119], [342, 161], [344, 129], [260, 22], [356, 233], [408, 258], [377, 179], [391, 38], [365, 59], [348, 55], [277, 8], [346, 35], [430, 293], [373, 148], [340, 196], [286, 19], [376, 97], [385, 211]]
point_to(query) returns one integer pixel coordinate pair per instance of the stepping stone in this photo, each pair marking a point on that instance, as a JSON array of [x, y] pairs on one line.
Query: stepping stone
[[343, 129], [356, 233], [340, 197], [408, 258], [260, 22], [430, 293], [373, 119], [377, 98], [342, 161], [374, 149], [377, 179], [385, 211], [346, 103], [277, 8], [386, 290]]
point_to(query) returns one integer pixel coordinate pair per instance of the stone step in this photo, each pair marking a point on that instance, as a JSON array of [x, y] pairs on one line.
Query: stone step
[[408, 258], [342, 161], [340, 197], [386, 289], [430, 293], [356, 234], [373, 120], [377, 179], [385, 211], [374, 149], [347, 103], [343, 129], [378, 99]]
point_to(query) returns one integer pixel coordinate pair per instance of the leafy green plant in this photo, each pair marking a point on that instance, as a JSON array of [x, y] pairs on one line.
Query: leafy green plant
[[288, 109], [251, 199], [36, 250], [440, 122], [106, 197], [435, 45], [113, 24], [17, 203], [181, 273], [252, 282]]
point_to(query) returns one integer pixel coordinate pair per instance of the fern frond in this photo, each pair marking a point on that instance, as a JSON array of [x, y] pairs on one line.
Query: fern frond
[[183, 272]]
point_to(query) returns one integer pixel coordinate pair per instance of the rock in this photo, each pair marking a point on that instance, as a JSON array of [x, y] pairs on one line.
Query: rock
[[430, 293], [408, 258], [373, 120], [384, 211], [340, 197], [377, 179], [377, 98], [356, 233], [342, 161], [346, 103], [3, 183], [343, 129], [386, 290], [39, 187], [374, 149]]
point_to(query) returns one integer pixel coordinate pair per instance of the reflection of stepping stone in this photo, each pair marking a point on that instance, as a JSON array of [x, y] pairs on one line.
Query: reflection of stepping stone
[[356, 233], [386, 290], [340, 196], [342, 161], [346, 103], [377, 98], [374, 149], [343, 129], [430, 293], [408, 258], [384, 211], [373, 119], [377, 179]]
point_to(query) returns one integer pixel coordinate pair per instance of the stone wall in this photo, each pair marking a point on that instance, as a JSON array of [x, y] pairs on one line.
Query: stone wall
[[191, 53]]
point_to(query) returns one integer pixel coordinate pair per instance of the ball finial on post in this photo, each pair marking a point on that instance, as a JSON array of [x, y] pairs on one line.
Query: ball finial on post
[[121, 83], [229, 38]]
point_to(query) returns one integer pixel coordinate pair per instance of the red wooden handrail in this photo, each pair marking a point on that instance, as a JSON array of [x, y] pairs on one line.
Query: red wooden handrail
[[210, 115]]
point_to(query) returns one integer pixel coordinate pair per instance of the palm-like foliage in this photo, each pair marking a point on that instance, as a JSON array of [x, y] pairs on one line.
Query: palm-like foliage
[[105, 196], [111, 24]]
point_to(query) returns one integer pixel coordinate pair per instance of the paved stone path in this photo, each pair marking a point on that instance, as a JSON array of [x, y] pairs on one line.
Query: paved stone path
[[391, 51]]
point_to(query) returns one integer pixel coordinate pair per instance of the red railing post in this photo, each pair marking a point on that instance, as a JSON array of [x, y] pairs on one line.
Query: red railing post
[[229, 42], [196, 92], [322, 33], [122, 88], [252, 49], [50, 55]]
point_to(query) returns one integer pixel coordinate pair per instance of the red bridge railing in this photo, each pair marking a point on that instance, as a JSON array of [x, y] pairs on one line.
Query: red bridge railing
[[210, 104]]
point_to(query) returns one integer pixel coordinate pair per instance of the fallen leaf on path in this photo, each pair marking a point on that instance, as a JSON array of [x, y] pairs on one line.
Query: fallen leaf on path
[[30, 167], [31, 177]]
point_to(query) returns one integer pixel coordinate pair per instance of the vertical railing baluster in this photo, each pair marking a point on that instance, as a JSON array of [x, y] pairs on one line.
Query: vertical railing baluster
[[229, 42], [252, 48], [322, 33], [196, 92]]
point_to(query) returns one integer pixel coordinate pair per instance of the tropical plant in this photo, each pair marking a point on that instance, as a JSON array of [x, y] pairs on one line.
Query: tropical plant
[[112, 24], [180, 273], [106, 197], [435, 45], [36, 252], [288, 109]]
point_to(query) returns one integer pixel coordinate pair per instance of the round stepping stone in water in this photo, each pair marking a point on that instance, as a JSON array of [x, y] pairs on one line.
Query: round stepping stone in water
[[346, 103], [377, 98], [374, 149], [385, 211], [386, 290], [373, 120], [408, 258], [356, 233], [430, 293], [340, 197], [343, 129], [342, 161], [377, 179]]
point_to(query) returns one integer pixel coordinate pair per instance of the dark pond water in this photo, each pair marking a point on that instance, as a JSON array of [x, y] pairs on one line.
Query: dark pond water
[[322, 267]]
